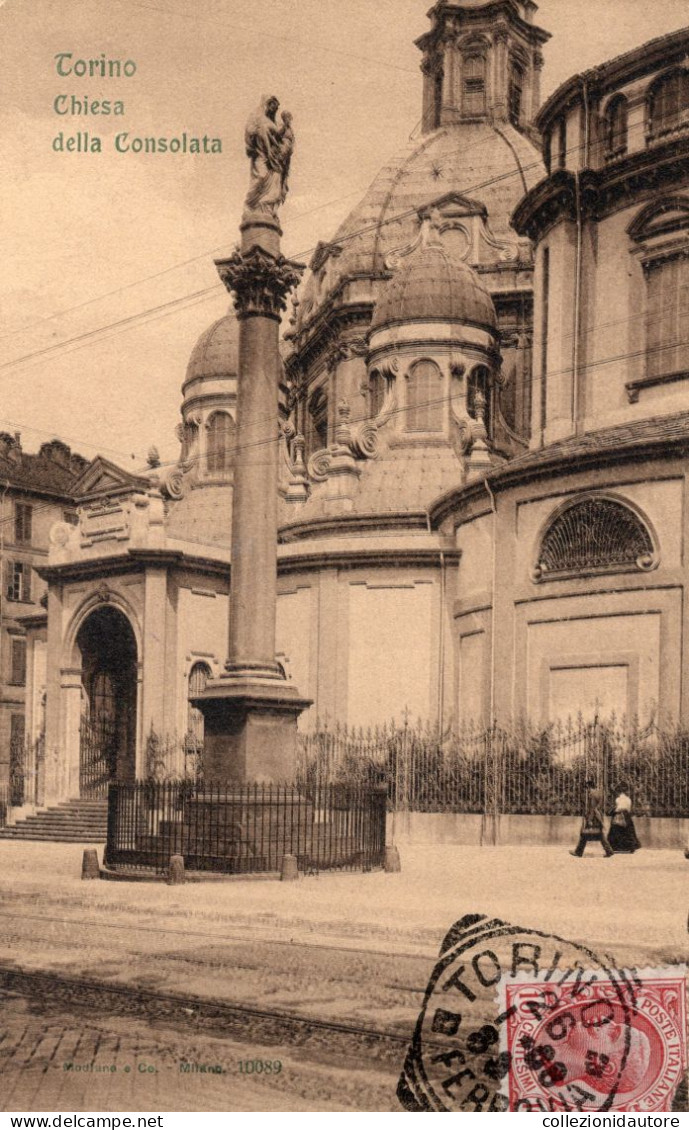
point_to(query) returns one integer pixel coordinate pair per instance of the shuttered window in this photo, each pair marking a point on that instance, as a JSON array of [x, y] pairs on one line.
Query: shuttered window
[[667, 317], [18, 661], [220, 449], [23, 514], [668, 107], [425, 398], [474, 85]]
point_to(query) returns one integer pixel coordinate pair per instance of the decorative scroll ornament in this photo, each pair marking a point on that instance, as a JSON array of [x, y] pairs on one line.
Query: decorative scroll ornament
[[319, 465], [345, 351], [294, 479], [259, 281], [172, 484], [365, 441]]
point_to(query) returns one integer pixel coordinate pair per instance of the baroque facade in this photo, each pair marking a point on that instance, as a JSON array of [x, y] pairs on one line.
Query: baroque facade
[[483, 435]]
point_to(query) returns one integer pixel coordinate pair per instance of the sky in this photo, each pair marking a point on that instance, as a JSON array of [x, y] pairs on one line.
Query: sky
[[108, 276]]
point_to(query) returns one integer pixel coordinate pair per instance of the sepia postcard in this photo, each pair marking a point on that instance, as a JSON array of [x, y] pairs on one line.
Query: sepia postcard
[[344, 570]]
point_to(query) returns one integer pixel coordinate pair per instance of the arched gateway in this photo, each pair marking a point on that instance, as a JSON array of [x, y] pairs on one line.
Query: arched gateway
[[108, 723]]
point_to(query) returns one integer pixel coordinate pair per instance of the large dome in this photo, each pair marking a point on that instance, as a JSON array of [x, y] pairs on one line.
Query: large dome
[[434, 285], [490, 164]]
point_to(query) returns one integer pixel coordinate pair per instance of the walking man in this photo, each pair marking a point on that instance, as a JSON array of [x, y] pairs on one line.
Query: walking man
[[592, 823]]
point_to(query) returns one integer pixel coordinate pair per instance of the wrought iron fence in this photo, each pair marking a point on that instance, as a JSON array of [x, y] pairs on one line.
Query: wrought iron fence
[[245, 829], [506, 770], [26, 772]]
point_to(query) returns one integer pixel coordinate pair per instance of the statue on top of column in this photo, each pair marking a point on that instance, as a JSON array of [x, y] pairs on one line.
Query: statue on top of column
[[270, 147]]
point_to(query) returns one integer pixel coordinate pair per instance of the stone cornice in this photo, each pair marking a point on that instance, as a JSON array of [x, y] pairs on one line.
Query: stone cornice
[[481, 16], [603, 191], [354, 523], [553, 465], [598, 81], [356, 558]]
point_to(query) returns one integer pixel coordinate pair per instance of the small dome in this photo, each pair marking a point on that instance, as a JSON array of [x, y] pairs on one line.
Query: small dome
[[216, 353], [434, 285]]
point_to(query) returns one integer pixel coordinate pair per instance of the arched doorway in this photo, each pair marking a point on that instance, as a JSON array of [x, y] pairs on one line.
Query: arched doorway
[[107, 750]]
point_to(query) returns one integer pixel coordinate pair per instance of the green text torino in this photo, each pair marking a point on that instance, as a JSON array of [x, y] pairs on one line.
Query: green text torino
[[66, 64]]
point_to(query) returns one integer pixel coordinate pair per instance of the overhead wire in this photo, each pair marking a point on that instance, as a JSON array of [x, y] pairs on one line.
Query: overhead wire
[[341, 241]]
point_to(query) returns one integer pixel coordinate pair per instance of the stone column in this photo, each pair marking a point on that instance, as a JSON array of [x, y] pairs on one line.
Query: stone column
[[251, 711]]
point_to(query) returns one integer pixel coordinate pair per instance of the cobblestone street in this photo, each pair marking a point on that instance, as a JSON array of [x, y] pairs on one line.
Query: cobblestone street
[[56, 1061]]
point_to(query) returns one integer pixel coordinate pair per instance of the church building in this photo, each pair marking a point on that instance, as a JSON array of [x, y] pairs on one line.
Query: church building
[[484, 438]]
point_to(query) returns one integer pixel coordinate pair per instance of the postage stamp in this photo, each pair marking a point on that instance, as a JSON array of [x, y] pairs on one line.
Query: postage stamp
[[515, 1019], [574, 1045]]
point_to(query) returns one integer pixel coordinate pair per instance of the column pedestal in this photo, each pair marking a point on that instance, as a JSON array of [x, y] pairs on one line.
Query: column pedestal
[[250, 729]]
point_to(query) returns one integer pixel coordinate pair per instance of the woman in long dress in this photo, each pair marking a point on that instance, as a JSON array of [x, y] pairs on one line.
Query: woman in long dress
[[622, 836]]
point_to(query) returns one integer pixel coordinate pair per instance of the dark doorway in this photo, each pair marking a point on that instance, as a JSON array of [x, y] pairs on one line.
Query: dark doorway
[[108, 725]]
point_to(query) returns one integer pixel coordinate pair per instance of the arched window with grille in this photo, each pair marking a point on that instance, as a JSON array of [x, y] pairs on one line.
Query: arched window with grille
[[474, 84], [220, 443], [594, 535], [616, 128], [425, 397], [668, 104]]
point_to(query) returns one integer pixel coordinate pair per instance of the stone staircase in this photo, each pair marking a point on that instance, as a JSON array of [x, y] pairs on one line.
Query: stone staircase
[[72, 822]]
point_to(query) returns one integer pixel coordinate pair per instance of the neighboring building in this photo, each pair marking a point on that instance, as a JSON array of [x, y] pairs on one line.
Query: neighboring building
[[36, 490], [482, 489]]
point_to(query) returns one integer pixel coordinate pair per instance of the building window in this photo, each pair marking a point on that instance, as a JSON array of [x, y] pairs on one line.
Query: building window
[[474, 85], [515, 94], [22, 523], [18, 580], [596, 535], [438, 81], [667, 316], [376, 393], [668, 104], [18, 663], [478, 396], [425, 398], [616, 129], [193, 745], [70, 517], [318, 414], [562, 144], [220, 443]]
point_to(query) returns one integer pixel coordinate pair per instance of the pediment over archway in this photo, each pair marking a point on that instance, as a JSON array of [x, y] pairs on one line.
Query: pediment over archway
[[102, 477]]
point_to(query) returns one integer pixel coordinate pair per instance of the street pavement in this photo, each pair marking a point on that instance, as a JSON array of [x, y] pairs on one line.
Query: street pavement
[[346, 947]]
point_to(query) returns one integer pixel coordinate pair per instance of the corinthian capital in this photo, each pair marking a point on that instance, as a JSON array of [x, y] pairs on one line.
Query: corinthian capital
[[260, 282]]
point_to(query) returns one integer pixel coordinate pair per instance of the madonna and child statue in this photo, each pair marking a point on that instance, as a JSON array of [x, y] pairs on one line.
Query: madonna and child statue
[[269, 146]]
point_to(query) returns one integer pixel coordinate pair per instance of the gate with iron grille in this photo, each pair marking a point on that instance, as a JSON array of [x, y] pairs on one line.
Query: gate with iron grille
[[97, 756]]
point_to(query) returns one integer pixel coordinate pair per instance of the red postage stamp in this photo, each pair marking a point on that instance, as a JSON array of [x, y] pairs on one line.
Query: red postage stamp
[[581, 1044]]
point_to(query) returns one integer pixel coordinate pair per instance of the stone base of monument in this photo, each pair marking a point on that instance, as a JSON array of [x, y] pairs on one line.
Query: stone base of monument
[[250, 728], [246, 831]]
